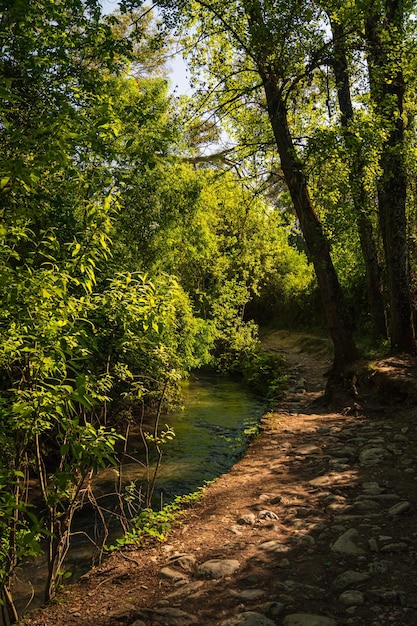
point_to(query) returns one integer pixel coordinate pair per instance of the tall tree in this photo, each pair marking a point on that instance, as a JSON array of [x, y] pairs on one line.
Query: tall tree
[[273, 40], [384, 34], [360, 197]]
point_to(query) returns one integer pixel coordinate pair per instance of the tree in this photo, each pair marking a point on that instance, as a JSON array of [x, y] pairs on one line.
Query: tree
[[384, 35], [360, 197], [278, 45]]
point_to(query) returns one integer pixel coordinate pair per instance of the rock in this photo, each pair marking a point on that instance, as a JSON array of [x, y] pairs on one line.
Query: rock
[[173, 575], [171, 616], [267, 515], [373, 456], [399, 546], [388, 596], [352, 598], [308, 449], [372, 488], [345, 544], [349, 578], [248, 595], [366, 505], [185, 561], [138, 622], [218, 568], [399, 508], [380, 567], [272, 608], [249, 618], [247, 518], [186, 590], [274, 546], [308, 619], [321, 481]]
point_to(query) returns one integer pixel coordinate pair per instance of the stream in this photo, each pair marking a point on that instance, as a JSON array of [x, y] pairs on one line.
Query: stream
[[211, 434]]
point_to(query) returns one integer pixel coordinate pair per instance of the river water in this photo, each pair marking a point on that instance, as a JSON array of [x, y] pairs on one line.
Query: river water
[[211, 434]]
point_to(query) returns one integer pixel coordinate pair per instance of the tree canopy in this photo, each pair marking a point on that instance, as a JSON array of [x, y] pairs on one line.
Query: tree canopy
[[144, 235]]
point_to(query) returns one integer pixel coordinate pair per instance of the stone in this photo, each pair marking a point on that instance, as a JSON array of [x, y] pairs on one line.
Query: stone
[[321, 481], [173, 575], [308, 619], [249, 618], [352, 598], [399, 508], [267, 515], [380, 567], [247, 518], [308, 449], [363, 504], [349, 578], [372, 488], [187, 590], [248, 595], [373, 456], [171, 616], [345, 544], [272, 608], [399, 546], [185, 561], [274, 546], [218, 568]]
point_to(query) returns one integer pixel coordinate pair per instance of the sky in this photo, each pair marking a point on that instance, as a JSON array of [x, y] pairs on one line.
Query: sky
[[178, 69]]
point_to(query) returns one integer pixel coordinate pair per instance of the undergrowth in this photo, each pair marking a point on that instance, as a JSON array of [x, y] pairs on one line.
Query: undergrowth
[[150, 524]]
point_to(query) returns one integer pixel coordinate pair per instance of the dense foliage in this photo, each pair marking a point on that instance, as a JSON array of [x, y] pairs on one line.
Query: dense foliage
[[319, 99], [123, 264], [143, 236]]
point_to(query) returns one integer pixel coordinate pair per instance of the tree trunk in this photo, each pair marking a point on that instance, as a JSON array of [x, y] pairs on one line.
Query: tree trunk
[[338, 318], [331, 293], [359, 196], [383, 33]]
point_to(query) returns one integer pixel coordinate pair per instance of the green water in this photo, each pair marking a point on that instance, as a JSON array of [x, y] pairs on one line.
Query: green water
[[211, 434]]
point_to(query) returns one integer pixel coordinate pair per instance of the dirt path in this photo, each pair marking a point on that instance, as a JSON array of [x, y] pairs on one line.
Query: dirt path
[[315, 526]]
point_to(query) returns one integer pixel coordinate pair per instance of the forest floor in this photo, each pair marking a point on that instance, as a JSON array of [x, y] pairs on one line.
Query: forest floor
[[315, 526]]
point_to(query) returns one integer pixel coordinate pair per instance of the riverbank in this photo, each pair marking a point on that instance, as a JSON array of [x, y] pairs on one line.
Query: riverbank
[[314, 526]]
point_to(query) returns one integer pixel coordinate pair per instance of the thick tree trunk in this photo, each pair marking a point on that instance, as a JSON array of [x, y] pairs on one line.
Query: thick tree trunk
[[331, 293], [359, 196], [383, 32]]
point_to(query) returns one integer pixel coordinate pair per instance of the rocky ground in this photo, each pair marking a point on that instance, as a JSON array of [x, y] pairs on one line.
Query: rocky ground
[[315, 526]]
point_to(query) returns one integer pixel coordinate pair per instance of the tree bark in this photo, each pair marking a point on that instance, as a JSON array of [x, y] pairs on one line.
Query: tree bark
[[359, 196], [330, 290], [331, 294], [387, 86]]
